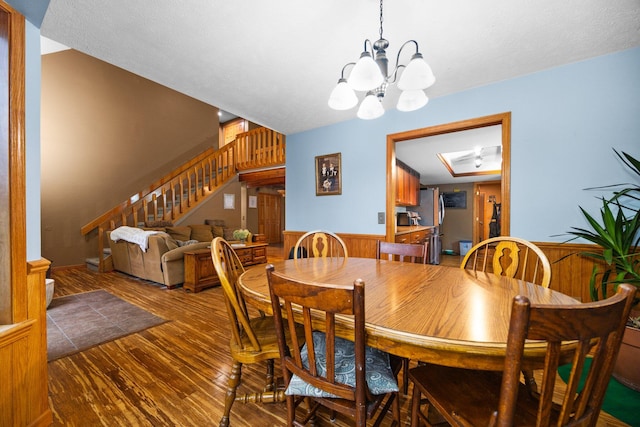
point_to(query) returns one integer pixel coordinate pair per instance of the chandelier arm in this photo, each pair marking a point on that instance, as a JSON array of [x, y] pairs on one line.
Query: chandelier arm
[[394, 75], [345, 67], [370, 45], [402, 47]]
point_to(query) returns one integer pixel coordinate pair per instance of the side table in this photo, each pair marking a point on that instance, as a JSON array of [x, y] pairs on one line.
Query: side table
[[199, 272]]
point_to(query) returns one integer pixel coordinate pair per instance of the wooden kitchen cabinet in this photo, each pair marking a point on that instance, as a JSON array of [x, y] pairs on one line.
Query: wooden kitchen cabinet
[[412, 237], [407, 185]]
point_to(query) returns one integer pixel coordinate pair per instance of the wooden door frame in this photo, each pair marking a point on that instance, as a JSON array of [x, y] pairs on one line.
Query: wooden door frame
[[13, 235], [503, 119]]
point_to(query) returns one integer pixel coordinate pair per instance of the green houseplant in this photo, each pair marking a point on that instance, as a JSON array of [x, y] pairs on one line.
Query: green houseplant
[[617, 232], [241, 234]]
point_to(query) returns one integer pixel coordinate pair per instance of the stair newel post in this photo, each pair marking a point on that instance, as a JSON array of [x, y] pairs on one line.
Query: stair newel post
[[101, 249]]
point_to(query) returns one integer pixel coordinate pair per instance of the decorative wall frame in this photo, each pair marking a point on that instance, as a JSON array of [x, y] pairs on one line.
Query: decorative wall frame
[[229, 201], [253, 201], [328, 175]]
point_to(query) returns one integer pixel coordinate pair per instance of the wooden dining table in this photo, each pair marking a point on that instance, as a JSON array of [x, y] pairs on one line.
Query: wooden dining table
[[431, 313]]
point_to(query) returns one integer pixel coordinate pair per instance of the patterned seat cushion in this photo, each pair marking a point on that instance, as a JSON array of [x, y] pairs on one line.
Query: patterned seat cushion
[[380, 378]]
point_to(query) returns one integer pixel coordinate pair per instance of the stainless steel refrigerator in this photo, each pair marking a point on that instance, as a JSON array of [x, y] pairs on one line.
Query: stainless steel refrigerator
[[431, 212]]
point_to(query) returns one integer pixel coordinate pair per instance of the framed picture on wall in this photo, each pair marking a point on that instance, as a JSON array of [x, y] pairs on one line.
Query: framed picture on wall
[[229, 201], [253, 201], [328, 175]]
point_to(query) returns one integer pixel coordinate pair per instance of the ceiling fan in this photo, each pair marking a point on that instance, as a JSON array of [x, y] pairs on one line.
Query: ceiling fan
[[480, 159]]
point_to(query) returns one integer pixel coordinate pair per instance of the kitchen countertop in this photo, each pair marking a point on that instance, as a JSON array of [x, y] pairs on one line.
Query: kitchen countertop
[[404, 229]]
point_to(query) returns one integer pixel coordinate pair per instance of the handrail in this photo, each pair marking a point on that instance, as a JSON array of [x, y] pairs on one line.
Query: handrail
[[178, 192]]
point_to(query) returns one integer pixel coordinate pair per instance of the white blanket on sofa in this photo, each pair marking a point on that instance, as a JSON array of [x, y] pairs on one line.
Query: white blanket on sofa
[[134, 235]]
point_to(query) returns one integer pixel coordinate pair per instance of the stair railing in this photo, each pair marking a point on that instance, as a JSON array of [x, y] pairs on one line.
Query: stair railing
[[183, 189]]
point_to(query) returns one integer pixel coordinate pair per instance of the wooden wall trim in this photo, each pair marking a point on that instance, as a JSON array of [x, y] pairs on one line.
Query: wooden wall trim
[[570, 272], [10, 334], [23, 326], [17, 166]]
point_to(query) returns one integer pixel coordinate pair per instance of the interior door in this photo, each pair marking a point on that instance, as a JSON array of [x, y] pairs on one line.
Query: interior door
[[491, 194], [270, 216]]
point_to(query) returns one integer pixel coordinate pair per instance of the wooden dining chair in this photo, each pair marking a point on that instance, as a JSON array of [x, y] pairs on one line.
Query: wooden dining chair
[[403, 252], [409, 252], [320, 243], [253, 340], [511, 257], [323, 369], [483, 398]]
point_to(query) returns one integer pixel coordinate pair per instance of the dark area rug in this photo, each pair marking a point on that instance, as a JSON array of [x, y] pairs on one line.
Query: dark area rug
[[81, 321], [619, 400]]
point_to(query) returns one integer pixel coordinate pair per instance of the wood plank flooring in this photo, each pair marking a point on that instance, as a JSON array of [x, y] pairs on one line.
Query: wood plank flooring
[[174, 374]]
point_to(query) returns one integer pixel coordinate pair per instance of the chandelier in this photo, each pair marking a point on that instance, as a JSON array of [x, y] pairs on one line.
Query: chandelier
[[371, 75]]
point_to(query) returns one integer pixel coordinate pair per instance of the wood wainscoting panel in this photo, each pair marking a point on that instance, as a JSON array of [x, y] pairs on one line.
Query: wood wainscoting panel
[[358, 245], [570, 272]]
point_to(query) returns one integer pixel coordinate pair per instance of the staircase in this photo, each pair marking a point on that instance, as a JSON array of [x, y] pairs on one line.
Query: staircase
[[180, 191]]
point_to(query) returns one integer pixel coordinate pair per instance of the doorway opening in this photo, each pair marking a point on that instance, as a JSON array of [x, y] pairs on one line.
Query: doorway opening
[[502, 119]]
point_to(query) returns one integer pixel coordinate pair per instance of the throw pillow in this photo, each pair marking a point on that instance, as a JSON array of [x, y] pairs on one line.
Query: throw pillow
[[201, 232], [158, 224], [186, 242], [169, 241], [180, 233], [218, 231], [379, 375], [216, 222]]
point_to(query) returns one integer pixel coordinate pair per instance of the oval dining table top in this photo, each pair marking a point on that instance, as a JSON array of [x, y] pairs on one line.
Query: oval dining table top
[[432, 313]]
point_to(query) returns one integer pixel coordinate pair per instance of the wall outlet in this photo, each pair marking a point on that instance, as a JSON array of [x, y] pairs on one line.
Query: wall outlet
[[381, 217]]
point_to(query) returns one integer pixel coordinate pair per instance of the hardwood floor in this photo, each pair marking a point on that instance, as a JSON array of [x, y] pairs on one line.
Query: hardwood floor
[[174, 374]]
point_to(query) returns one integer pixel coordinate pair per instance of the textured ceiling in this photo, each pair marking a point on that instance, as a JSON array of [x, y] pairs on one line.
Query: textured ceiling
[[275, 62]]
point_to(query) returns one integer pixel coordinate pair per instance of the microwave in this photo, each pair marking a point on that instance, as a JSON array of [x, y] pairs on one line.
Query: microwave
[[403, 219]]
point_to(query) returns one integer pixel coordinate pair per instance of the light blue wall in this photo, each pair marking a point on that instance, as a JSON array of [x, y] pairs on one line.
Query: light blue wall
[[565, 122]]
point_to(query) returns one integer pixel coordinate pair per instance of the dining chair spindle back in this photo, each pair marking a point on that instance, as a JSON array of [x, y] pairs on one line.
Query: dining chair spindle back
[[409, 252], [471, 397], [511, 257], [320, 243], [328, 371]]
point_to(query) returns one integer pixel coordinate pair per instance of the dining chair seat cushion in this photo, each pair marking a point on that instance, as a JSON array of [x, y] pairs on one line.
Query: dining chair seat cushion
[[380, 377]]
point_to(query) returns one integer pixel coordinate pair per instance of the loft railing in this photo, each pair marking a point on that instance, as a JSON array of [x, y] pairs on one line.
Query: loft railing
[[180, 191]]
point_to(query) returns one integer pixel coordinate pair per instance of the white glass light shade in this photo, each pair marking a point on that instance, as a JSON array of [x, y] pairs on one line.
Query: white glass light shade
[[411, 100], [342, 97], [371, 108], [366, 74], [417, 75]]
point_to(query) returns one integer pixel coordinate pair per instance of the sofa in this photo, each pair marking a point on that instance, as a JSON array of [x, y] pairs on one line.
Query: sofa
[[163, 259]]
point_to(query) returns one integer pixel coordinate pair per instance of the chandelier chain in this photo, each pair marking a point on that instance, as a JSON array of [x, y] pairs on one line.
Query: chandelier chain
[[380, 18]]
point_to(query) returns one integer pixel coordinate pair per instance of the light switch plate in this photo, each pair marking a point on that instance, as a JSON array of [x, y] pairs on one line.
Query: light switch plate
[[380, 217]]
